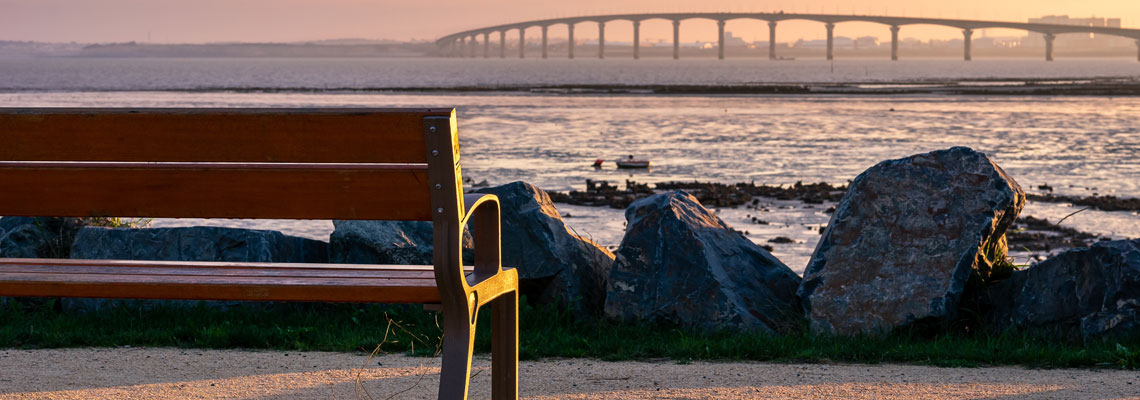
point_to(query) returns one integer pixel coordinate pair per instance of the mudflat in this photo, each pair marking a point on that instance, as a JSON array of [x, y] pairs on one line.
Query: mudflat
[[157, 373]]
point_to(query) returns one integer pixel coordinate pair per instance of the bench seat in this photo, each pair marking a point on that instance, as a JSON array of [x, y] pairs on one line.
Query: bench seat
[[181, 280]]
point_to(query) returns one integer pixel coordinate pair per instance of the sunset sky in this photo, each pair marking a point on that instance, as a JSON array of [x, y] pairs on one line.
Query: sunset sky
[[197, 21]]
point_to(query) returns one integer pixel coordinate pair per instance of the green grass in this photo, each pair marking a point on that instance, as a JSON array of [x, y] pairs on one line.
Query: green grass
[[545, 332]]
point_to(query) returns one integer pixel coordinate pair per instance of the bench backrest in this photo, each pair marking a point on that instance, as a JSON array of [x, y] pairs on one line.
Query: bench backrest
[[372, 164]]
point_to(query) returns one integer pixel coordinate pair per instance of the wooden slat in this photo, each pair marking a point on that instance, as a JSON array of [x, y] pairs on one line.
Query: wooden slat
[[214, 264], [216, 190], [189, 268], [217, 280], [220, 288], [255, 135], [227, 272]]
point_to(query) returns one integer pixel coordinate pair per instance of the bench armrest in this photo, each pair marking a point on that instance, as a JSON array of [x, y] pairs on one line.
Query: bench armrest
[[482, 210]]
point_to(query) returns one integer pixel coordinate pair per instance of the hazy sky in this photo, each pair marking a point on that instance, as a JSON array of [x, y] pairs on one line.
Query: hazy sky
[[195, 21]]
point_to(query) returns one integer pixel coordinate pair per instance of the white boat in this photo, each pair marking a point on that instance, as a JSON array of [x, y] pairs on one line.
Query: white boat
[[631, 163]]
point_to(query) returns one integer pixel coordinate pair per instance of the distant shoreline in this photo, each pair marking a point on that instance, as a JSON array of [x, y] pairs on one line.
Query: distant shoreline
[[1117, 86]]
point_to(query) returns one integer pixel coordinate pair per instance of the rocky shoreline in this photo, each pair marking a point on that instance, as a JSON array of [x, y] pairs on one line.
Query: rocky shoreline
[[711, 194], [918, 243], [1103, 203], [1107, 86], [1028, 234]]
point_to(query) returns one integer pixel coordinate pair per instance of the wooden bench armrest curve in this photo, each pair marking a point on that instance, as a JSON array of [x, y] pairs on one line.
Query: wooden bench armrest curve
[[483, 211]]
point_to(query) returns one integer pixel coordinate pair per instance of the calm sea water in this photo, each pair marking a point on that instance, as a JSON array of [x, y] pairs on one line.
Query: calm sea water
[[1078, 145], [363, 73]]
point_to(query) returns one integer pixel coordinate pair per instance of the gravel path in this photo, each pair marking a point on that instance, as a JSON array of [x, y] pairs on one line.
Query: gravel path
[[210, 374]]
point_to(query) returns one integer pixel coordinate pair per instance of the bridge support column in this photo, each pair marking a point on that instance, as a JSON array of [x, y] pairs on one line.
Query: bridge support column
[[544, 42], [636, 40], [676, 39], [1137, 49], [1049, 37], [474, 45], [462, 47], [570, 42], [771, 40], [503, 44], [720, 40], [894, 42], [967, 35], [486, 44], [830, 41], [601, 40], [522, 43]]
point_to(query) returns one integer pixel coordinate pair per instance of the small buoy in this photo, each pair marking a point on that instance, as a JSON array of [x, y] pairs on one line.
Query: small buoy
[[598, 163]]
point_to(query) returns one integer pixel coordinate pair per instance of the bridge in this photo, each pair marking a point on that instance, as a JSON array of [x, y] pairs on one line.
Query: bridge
[[464, 44]]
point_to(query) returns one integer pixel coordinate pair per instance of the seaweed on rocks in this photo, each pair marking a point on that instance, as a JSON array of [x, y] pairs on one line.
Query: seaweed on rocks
[[601, 193], [1038, 234], [1103, 203]]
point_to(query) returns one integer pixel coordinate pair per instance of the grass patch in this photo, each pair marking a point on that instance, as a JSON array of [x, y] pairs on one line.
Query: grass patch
[[544, 332]]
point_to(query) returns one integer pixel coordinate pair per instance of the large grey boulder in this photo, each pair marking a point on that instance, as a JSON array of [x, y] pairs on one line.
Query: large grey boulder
[[1086, 293], [381, 242], [680, 264], [386, 242], [37, 237], [905, 239], [201, 243], [555, 264]]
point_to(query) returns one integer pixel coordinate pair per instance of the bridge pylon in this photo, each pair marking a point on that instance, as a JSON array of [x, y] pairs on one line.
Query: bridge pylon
[[570, 42], [771, 40], [967, 35], [830, 41], [894, 42], [720, 40], [636, 39], [1049, 37]]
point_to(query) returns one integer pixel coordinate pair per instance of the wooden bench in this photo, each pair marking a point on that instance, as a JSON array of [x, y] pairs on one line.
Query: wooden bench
[[365, 164]]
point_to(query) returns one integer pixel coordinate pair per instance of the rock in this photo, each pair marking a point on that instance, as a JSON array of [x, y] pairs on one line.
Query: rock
[[381, 242], [26, 241], [199, 243], [386, 242], [905, 239], [555, 264], [37, 237], [1087, 293], [680, 264]]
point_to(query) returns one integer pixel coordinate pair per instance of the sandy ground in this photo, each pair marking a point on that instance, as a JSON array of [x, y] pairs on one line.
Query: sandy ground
[[212, 374]]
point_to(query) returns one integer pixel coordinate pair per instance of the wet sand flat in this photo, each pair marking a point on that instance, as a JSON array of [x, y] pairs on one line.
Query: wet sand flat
[[236, 374]]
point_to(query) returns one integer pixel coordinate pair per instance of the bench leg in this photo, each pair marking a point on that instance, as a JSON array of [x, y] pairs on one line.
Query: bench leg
[[505, 347], [458, 343]]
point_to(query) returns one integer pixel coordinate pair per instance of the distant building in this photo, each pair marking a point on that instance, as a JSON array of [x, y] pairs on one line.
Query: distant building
[[1084, 40], [866, 42], [733, 41], [613, 43], [911, 42], [838, 42], [1004, 42]]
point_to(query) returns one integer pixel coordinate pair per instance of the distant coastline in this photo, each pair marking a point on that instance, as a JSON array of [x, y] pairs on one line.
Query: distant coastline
[[1121, 86], [554, 77], [390, 48]]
